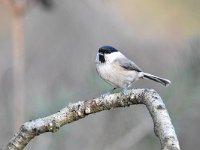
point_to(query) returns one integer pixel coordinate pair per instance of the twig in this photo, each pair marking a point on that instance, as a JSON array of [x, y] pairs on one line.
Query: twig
[[162, 123]]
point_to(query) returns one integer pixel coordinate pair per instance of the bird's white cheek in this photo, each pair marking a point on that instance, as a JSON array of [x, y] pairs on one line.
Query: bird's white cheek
[[108, 58], [111, 57]]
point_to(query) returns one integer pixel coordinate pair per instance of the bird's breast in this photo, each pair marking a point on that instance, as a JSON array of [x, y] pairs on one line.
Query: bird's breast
[[115, 75]]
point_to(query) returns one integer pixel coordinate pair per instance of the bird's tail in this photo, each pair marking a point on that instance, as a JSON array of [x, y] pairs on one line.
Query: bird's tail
[[163, 81]]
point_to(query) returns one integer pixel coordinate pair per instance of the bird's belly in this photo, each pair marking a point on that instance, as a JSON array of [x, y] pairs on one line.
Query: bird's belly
[[115, 77]]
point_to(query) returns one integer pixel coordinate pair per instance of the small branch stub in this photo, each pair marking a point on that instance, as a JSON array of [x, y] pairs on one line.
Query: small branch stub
[[163, 127]]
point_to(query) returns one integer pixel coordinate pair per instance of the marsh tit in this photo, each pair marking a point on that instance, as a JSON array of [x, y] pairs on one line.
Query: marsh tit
[[119, 71]]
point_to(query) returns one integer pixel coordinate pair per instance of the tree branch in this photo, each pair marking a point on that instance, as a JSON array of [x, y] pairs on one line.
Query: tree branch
[[163, 127]]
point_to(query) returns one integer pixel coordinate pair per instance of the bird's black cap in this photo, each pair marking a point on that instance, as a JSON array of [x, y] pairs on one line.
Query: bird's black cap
[[107, 50]]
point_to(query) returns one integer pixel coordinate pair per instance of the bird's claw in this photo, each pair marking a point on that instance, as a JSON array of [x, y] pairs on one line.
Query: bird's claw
[[104, 95], [124, 92]]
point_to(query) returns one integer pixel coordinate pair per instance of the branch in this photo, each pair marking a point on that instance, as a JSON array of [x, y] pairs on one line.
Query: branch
[[163, 127]]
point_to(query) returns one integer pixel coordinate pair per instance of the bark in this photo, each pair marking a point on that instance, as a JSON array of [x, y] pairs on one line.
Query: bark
[[163, 127]]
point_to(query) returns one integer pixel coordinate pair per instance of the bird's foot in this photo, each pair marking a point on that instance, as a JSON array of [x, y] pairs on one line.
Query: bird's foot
[[104, 95], [124, 92]]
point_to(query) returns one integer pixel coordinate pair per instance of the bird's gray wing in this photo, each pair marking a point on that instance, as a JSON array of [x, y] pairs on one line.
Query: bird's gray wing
[[127, 64]]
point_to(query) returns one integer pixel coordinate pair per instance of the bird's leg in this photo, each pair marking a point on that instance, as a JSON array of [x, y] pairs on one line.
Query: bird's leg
[[125, 89], [131, 86]]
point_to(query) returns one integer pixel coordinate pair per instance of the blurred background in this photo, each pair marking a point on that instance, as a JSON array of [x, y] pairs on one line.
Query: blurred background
[[47, 55]]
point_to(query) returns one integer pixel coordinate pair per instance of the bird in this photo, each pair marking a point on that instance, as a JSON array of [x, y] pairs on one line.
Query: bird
[[119, 71]]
